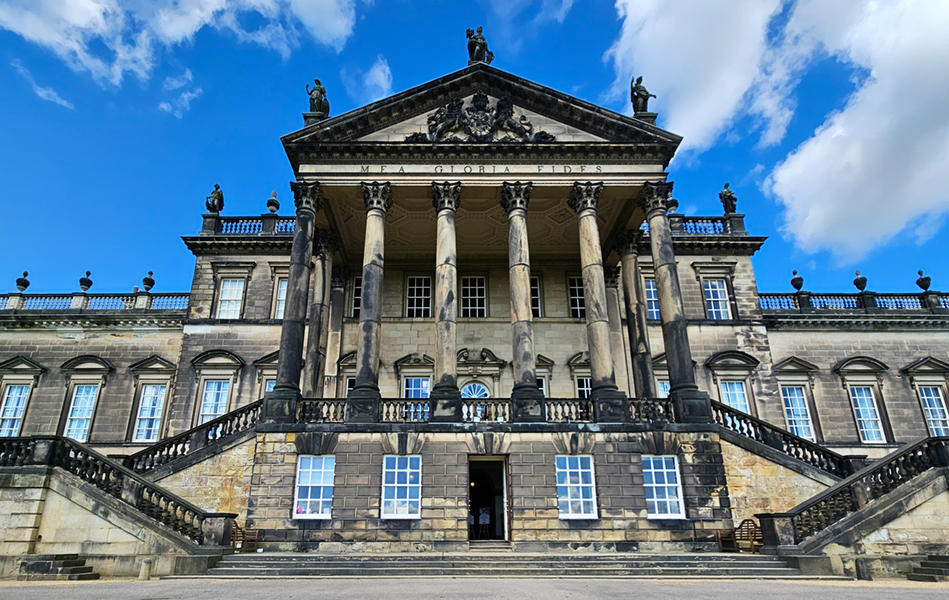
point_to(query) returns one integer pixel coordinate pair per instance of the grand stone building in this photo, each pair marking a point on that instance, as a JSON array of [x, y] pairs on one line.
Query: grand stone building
[[485, 321]]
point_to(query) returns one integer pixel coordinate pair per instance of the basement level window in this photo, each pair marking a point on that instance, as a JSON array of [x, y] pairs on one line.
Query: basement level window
[[576, 492], [401, 487], [663, 487], [314, 491]]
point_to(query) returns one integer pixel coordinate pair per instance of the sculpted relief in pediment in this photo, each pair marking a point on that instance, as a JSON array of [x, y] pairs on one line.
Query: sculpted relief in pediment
[[479, 123]]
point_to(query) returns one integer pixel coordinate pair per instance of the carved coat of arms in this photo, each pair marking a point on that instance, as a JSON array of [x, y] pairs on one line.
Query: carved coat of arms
[[479, 123]]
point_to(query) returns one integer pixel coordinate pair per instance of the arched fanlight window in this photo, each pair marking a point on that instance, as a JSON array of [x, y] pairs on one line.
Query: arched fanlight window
[[475, 390]]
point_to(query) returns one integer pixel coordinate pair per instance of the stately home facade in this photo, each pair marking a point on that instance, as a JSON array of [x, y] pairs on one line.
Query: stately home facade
[[484, 321]]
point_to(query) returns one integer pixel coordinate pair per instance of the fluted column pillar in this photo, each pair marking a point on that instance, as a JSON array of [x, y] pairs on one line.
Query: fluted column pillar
[[526, 397], [692, 406], [637, 313], [363, 403], [446, 399], [280, 404], [325, 243], [609, 402]]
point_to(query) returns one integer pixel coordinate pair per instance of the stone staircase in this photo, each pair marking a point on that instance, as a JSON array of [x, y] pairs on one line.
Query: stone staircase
[[51, 567], [494, 564], [934, 569]]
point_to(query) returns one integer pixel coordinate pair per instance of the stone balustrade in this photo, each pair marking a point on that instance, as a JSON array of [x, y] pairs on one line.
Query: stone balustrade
[[94, 303], [680, 225], [806, 302], [269, 224]]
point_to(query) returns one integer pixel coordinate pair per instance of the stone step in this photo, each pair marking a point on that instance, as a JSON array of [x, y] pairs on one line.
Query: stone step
[[924, 570], [939, 557], [71, 570], [73, 562], [498, 572], [52, 557], [930, 578], [763, 564], [935, 564], [517, 558], [55, 567]]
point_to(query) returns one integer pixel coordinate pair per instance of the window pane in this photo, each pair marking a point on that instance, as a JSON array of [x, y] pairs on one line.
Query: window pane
[[576, 491], [663, 490], [149, 413], [314, 489], [733, 394], [577, 306], [542, 386], [418, 297], [232, 293], [535, 297], [401, 487], [796, 412], [583, 387], [865, 410], [652, 298], [473, 297], [350, 385], [11, 412], [416, 387], [281, 298], [934, 407], [214, 401], [663, 388], [357, 296], [716, 299], [81, 408]]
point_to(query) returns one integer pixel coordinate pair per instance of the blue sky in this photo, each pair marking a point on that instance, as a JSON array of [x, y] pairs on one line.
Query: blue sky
[[828, 118]]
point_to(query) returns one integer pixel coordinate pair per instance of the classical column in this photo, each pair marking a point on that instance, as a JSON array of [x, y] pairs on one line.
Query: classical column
[[339, 279], [526, 396], [446, 197], [637, 313], [363, 403], [692, 406], [609, 402], [280, 404], [325, 243], [621, 365]]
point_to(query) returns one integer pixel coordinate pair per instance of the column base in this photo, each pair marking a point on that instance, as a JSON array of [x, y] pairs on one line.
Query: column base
[[363, 405], [280, 405], [609, 405], [446, 405], [527, 404], [692, 405]]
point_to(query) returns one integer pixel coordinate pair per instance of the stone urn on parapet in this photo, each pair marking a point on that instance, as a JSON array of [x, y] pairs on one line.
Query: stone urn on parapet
[[319, 105], [639, 96]]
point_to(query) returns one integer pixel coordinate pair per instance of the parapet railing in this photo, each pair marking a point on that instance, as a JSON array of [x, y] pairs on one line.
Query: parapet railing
[[405, 410], [268, 224], [784, 441], [474, 410], [851, 494], [320, 410], [652, 410], [94, 303], [568, 410], [806, 302], [733, 224], [184, 443], [204, 528]]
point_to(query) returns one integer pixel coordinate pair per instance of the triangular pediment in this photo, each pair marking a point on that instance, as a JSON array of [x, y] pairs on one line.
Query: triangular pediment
[[927, 365], [21, 365], [153, 364], [793, 364], [519, 111]]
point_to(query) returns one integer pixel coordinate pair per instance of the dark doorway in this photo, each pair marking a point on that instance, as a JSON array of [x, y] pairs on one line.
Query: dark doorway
[[487, 500]]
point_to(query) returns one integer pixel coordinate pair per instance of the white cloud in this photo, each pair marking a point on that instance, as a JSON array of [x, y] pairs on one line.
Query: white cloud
[[374, 84], [112, 38], [174, 83], [181, 104], [46, 93], [881, 164], [700, 59]]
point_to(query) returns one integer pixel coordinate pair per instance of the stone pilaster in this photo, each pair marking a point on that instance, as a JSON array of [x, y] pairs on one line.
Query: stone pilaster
[[527, 399], [446, 399], [363, 403], [608, 402], [280, 405], [692, 405], [637, 314], [325, 244]]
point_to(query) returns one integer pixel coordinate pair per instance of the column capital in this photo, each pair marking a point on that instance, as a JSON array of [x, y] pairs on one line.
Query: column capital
[[628, 242], [611, 274], [446, 196], [307, 196], [325, 241], [655, 196], [515, 195], [584, 196], [377, 195], [340, 277]]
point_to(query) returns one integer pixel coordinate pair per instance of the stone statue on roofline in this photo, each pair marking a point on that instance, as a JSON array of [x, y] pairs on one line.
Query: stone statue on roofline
[[215, 202], [478, 48], [319, 105], [729, 200], [639, 95]]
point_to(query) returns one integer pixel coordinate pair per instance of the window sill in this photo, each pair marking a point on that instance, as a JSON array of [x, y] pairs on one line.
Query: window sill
[[579, 518], [311, 517], [666, 518], [400, 517]]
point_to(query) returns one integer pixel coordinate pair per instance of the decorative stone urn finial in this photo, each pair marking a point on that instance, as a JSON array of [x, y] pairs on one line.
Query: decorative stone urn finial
[[22, 282], [923, 282], [147, 282], [84, 282], [273, 205], [797, 282], [860, 282]]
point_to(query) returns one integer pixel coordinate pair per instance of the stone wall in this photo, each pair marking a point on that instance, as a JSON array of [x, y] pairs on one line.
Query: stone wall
[[534, 520], [758, 485], [220, 483]]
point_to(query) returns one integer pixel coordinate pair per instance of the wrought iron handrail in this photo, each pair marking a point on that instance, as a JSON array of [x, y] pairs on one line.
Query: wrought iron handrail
[[119, 482], [320, 410], [184, 443], [870, 483], [782, 440]]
